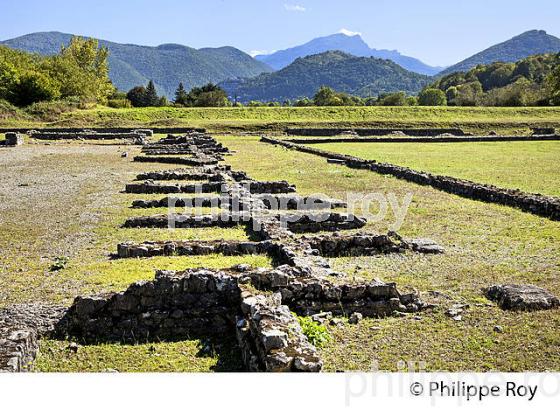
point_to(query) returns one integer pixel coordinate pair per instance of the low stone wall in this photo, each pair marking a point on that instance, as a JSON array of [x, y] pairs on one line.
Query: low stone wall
[[298, 223], [269, 187], [149, 187], [310, 295], [271, 338], [190, 248], [174, 305], [269, 201], [199, 201], [304, 223], [89, 135], [337, 245], [192, 161], [537, 204], [20, 328], [496, 138], [364, 132], [180, 174], [113, 130], [221, 220]]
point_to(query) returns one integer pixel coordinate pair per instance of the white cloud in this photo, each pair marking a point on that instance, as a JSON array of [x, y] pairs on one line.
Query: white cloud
[[349, 32], [295, 7], [254, 53]]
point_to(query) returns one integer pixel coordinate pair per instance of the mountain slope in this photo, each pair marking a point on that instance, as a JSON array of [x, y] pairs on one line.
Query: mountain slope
[[527, 44], [354, 45], [167, 64], [363, 76]]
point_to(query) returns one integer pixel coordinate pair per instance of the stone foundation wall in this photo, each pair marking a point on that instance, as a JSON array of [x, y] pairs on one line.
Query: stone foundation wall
[[309, 295], [271, 338], [174, 305], [179, 175], [89, 135], [311, 141], [192, 161], [533, 203], [149, 187], [190, 248], [364, 132], [20, 328], [111, 130]]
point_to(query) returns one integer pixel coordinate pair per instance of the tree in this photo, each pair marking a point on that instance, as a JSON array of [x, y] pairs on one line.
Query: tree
[[33, 87], [432, 97], [82, 70], [393, 99], [137, 96], [181, 96], [151, 98], [8, 79], [553, 83], [209, 95], [326, 96]]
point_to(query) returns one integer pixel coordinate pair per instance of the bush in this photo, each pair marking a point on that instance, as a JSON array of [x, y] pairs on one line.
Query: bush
[[317, 334], [394, 99], [33, 87], [119, 103], [432, 97], [52, 110]]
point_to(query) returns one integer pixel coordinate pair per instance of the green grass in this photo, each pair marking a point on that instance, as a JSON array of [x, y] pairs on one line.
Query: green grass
[[531, 166], [475, 119], [181, 356], [485, 244]]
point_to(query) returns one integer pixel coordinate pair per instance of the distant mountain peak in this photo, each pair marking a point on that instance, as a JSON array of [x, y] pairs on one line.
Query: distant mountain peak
[[351, 43]]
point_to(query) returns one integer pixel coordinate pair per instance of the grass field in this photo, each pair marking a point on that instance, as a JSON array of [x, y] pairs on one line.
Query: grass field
[[529, 166], [64, 199], [473, 119]]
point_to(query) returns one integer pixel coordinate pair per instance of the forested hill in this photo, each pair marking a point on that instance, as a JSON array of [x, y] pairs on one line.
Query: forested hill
[[527, 44], [168, 64], [361, 76], [523, 83]]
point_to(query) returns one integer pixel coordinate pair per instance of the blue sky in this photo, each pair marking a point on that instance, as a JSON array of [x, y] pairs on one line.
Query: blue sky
[[440, 32]]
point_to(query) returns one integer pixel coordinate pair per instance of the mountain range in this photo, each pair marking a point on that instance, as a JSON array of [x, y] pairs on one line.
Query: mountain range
[[167, 65], [354, 67], [361, 76], [351, 44], [522, 46]]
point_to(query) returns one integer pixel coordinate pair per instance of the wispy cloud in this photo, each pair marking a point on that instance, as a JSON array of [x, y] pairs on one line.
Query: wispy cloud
[[295, 7], [254, 53], [350, 33]]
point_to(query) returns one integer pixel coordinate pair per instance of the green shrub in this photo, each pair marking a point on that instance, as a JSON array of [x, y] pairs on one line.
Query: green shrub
[[32, 87], [119, 103], [52, 110], [317, 333], [432, 97]]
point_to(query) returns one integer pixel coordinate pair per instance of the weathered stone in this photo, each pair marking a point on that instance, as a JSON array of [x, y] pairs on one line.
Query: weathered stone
[[355, 318], [522, 297]]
